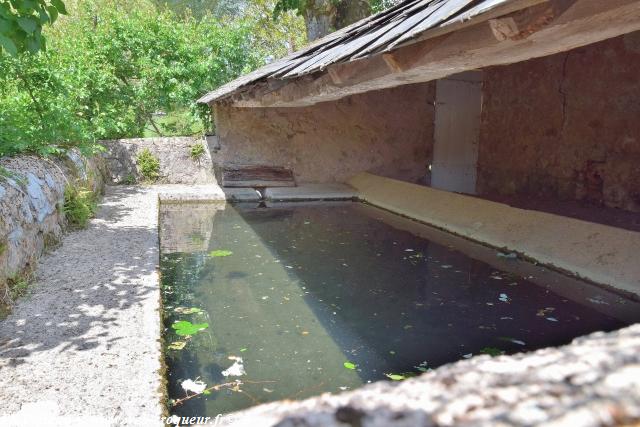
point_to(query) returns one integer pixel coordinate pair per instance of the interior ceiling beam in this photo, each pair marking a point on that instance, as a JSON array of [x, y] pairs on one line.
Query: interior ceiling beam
[[543, 29]]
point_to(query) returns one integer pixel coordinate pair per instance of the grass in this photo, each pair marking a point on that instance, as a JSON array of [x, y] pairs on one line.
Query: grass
[[14, 288], [80, 205], [129, 180], [7, 174], [197, 151], [148, 165]]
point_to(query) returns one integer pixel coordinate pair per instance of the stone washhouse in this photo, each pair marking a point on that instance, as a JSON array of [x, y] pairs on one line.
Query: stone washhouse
[[511, 125], [528, 106]]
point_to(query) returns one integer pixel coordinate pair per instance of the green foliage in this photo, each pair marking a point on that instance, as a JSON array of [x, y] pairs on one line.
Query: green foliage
[[281, 6], [302, 6], [79, 206], [350, 365], [3, 247], [17, 287], [118, 70], [148, 165], [197, 151], [378, 6], [21, 24], [201, 8], [129, 179]]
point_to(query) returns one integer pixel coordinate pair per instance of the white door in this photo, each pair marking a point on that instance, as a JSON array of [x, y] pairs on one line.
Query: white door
[[457, 132]]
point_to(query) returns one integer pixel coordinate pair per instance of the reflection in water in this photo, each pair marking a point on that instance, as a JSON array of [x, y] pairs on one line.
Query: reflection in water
[[307, 289]]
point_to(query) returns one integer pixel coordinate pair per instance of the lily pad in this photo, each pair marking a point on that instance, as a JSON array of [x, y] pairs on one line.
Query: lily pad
[[350, 365], [177, 345], [184, 327], [220, 253]]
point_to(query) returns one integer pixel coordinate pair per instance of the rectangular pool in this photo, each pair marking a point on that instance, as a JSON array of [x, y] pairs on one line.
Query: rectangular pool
[[299, 299]]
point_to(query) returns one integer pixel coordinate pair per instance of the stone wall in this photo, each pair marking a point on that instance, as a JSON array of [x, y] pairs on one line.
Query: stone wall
[[176, 164], [31, 203], [386, 132], [565, 126]]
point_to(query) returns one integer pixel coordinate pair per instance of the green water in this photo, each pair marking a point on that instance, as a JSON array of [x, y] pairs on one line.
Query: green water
[[305, 289]]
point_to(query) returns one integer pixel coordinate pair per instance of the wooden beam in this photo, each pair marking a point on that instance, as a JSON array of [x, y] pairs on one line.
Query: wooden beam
[[535, 32]]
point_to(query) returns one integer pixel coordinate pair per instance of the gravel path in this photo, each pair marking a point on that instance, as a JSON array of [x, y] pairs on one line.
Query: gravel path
[[83, 348]]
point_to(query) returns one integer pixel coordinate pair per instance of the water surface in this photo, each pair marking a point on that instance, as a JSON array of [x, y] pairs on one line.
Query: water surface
[[306, 288]]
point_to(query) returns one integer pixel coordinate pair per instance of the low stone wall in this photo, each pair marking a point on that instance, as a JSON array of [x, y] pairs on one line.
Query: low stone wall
[[31, 206], [176, 163]]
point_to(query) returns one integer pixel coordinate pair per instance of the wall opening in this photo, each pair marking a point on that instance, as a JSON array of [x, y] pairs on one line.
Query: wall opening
[[458, 108]]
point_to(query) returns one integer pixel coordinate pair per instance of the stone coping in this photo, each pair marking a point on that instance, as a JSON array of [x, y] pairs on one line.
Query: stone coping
[[330, 191]]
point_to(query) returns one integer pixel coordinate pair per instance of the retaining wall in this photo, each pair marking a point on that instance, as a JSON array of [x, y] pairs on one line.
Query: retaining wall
[[31, 206], [176, 163]]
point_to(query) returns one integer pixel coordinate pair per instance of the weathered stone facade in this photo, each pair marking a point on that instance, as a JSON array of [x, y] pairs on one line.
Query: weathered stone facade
[[174, 153], [565, 126], [31, 203], [387, 132]]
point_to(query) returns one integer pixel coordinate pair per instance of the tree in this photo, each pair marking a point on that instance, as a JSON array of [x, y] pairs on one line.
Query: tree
[[325, 16], [21, 23], [201, 8], [128, 69]]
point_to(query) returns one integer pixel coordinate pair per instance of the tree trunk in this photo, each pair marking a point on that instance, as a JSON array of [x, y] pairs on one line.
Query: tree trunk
[[350, 11], [323, 16], [320, 18]]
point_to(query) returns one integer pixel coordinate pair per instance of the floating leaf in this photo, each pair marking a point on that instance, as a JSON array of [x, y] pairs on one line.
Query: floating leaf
[[184, 327], [177, 345], [193, 386], [513, 340], [235, 370], [350, 365], [242, 350], [206, 392], [220, 253], [395, 377], [185, 310], [492, 351]]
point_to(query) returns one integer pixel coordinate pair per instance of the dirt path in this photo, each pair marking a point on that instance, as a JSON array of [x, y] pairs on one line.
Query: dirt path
[[83, 348]]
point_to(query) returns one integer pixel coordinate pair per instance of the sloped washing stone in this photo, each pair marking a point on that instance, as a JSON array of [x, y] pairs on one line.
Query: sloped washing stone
[[332, 191], [242, 194]]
